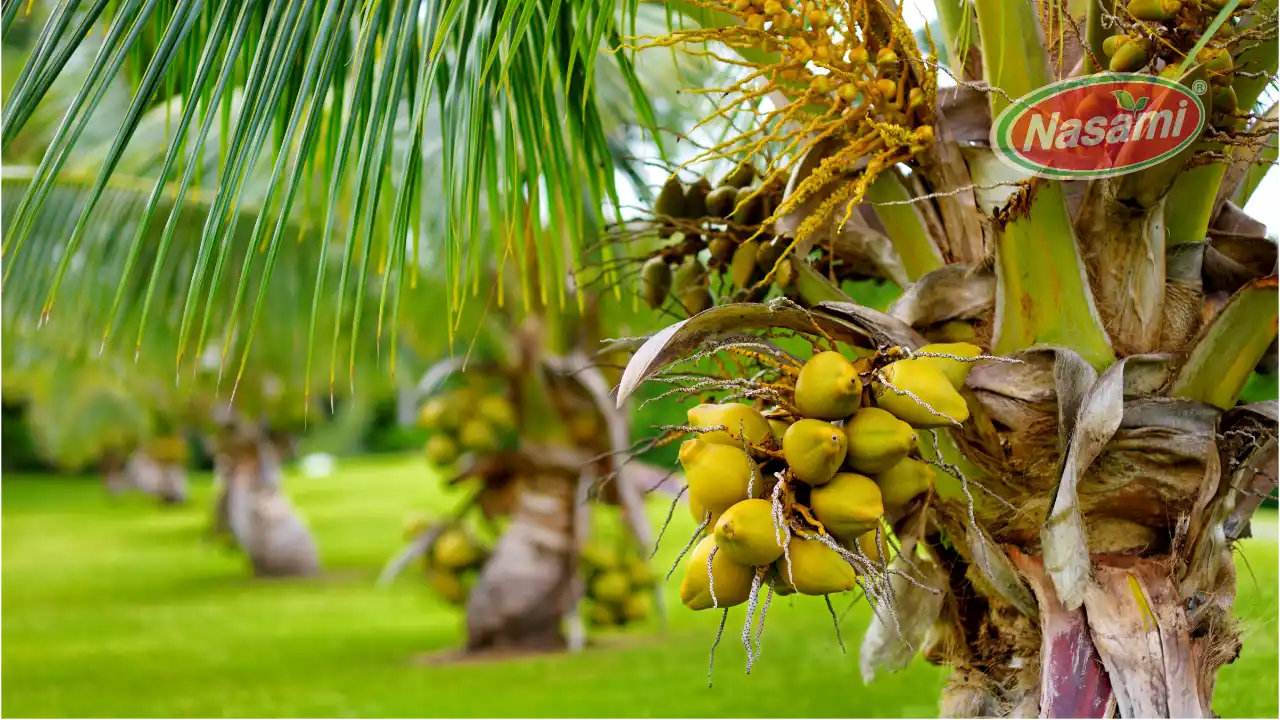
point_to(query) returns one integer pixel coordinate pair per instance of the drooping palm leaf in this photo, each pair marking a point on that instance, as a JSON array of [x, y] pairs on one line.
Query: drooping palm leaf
[[335, 95]]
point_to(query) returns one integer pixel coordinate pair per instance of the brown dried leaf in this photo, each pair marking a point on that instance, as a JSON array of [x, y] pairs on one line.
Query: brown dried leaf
[[881, 328], [1231, 219], [952, 292], [967, 112], [1141, 634], [1232, 261], [871, 252], [1089, 413], [943, 166], [883, 648]]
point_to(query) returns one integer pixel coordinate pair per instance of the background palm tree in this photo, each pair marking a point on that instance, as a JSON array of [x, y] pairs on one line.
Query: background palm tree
[[1152, 471]]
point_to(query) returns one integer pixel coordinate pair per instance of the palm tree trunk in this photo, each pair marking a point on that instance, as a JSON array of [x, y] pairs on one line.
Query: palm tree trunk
[[173, 483], [255, 510], [525, 589], [112, 468], [1160, 506]]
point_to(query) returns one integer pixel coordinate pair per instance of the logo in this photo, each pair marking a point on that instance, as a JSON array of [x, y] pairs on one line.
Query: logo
[[1098, 126]]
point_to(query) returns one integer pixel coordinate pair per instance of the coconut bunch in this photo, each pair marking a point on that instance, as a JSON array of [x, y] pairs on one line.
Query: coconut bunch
[[850, 97], [169, 450], [1158, 35], [452, 559], [713, 231], [731, 251], [619, 585], [793, 497], [467, 419]]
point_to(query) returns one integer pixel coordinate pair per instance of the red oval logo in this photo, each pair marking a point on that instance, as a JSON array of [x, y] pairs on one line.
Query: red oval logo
[[1098, 126]]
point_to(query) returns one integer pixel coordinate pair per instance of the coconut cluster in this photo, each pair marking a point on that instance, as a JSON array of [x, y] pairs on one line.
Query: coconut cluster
[[849, 95], [794, 496], [452, 561], [722, 220], [1157, 35], [466, 419], [619, 586]]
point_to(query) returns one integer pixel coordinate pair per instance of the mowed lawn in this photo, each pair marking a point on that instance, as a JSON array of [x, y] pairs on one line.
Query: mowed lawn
[[117, 607]]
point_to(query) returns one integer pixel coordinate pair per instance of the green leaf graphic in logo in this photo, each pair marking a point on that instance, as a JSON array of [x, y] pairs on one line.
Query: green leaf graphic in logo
[[1125, 100], [1142, 104]]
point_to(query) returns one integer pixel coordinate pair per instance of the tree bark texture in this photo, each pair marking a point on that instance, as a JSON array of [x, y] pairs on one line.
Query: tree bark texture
[[253, 508], [525, 589], [1152, 621]]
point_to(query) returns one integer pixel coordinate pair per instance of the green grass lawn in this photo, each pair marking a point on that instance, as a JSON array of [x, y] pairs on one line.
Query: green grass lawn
[[122, 608]]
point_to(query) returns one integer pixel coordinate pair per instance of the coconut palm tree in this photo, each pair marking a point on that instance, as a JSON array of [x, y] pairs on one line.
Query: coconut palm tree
[[1074, 558], [1116, 465]]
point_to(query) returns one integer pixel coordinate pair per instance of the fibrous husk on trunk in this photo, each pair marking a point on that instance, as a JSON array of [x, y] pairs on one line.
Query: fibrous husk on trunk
[[525, 590], [257, 514]]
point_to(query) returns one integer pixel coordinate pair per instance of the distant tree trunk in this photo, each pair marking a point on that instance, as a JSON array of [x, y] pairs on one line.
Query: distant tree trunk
[[526, 588], [166, 481], [112, 468], [251, 506]]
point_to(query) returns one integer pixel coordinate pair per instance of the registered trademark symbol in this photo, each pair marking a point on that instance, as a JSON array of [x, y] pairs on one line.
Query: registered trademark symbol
[[1199, 87]]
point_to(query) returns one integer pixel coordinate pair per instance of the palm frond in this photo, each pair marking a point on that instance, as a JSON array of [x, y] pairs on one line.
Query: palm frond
[[481, 113]]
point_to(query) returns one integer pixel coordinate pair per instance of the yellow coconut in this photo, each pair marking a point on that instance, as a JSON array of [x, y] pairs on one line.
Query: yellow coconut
[[638, 606], [612, 587], [877, 440], [497, 410], [601, 615], [719, 475], [453, 548], [814, 450], [955, 370], [448, 584], [478, 436], [816, 569], [902, 482], [699, 514], [599, 556], [778, 428], [640, 573], [737, 417], [847, 506], [828, 387], [732, 581], [925, 382], [746, 533], [441, 450]]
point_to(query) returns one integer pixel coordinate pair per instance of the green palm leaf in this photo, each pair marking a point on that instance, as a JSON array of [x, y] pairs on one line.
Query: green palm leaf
[[481, 113]]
